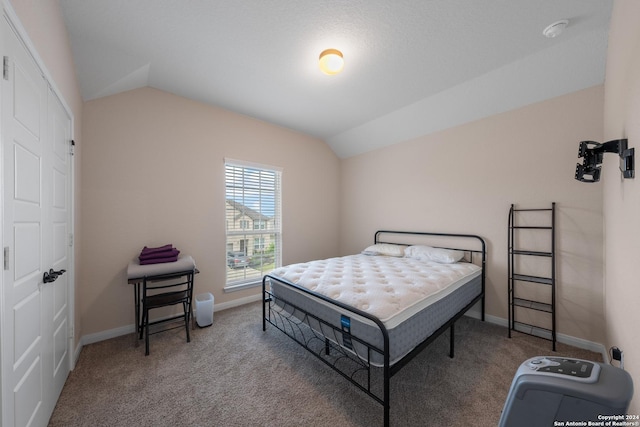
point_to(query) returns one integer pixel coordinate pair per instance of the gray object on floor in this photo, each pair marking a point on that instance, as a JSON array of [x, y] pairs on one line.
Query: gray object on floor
[[550, 389]]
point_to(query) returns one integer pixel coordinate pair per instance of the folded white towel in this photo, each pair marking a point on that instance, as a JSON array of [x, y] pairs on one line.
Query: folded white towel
[[137, 271]]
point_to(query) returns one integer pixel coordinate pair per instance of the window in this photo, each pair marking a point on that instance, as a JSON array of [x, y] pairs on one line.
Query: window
[[258, 244], [253, 226]]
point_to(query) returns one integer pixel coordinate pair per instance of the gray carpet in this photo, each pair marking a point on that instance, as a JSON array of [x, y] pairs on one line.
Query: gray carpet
[[234, 374]]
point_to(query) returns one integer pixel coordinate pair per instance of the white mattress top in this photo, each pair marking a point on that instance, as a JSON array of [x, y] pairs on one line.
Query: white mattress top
[[390, 288]]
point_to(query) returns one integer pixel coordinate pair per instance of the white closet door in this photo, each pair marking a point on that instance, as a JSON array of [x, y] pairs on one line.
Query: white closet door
[[58, 205], [34, 313]]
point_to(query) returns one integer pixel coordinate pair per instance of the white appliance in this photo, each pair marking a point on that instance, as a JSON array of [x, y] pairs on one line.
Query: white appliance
[[204, 309]]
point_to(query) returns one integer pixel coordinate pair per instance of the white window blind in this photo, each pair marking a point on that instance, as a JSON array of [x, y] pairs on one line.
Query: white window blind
[[253, 222]]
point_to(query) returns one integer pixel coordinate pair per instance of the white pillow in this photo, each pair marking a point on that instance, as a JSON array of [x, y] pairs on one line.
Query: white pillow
[[427, 253], [388, 249]]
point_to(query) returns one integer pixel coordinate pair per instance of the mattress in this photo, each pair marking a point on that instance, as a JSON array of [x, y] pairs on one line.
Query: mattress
[[412, 298]]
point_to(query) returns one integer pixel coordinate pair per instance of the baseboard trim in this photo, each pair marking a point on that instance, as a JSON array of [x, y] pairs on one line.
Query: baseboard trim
[[473, 312], [237, 302], [108, 334], [563, 338], [129, 329]]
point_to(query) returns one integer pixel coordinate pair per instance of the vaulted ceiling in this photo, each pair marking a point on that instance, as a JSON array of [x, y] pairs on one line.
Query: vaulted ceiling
[[412, 67]]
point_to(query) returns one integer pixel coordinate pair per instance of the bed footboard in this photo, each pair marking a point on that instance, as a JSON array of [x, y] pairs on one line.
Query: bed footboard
[[345, 353]]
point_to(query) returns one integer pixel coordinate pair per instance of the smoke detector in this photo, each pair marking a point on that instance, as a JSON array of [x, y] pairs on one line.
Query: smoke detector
[[555, 29]]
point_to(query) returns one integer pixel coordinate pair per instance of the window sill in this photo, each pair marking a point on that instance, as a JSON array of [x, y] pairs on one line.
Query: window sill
[[242, 286]]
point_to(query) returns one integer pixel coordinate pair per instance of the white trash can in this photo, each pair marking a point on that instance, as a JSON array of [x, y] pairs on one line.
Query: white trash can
[[204, 309]]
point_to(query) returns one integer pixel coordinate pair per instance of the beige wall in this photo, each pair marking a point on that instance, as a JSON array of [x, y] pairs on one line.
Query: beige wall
[[622, 197], [464, 180], [154, 174], [45, 28]]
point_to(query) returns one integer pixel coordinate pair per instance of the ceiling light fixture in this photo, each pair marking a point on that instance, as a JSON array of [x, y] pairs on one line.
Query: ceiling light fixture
[[331, 61], [555, 29]]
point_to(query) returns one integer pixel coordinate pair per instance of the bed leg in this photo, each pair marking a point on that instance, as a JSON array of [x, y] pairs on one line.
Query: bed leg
[[386, 393], [264, 313], [451, 340]]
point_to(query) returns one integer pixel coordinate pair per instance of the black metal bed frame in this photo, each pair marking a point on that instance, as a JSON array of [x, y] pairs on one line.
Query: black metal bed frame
[[322, 338]]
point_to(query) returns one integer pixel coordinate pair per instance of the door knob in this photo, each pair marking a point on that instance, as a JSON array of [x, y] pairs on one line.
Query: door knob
[[52, 275]]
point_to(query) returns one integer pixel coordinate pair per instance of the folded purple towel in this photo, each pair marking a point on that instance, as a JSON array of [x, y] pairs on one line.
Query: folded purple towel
[[146, 250], [159, 260], [164, 254]]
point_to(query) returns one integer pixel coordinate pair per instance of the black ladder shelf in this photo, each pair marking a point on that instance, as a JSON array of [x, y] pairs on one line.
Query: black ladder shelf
[[546, 305]]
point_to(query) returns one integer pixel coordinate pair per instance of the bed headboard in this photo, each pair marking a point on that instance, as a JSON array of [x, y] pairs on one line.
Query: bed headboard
[[472, 245]]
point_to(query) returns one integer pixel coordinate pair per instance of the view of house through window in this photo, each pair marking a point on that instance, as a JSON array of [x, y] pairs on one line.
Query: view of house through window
[[253, 225]]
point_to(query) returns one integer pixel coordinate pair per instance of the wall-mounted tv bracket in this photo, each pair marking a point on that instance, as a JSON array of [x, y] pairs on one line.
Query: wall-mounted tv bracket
[[592, 153]]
